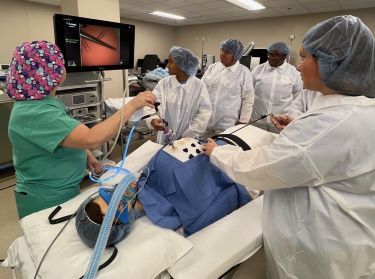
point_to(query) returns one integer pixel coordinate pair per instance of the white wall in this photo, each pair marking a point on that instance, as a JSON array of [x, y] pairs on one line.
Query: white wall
[[23, 21]]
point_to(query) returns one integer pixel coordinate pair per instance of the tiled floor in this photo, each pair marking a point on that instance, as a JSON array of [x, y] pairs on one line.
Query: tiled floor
[[254, 268]]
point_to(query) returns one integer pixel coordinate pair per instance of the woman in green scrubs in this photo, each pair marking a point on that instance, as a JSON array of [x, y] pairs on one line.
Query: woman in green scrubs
[[50, 149]]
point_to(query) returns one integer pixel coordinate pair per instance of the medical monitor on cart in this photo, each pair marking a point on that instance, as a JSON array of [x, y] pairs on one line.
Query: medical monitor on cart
[[94, 45]]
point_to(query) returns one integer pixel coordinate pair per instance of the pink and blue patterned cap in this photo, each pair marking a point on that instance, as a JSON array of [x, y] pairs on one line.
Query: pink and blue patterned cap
[[36, 69]]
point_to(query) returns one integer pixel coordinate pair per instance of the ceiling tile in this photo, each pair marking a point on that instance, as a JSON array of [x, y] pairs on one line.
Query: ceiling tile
[[235, 9], [125, 6], [291, 10], [197, 1], [267, 13], [279, 3], [350, 6], [317, 1], [175, 3], [217, 4], [211, 12], [201, 11], [356, 2], [322, 9], [321, 4]]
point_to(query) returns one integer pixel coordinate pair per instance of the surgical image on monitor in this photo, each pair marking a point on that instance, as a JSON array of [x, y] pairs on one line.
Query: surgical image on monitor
[[99, 45]]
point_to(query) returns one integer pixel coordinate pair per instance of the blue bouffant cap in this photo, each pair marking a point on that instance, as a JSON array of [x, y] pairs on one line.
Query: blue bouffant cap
[[185, 60], [233, 46], [345, 49], [280, 47]]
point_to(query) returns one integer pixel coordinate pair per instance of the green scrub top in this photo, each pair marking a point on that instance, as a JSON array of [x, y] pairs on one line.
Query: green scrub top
[[47, 174]]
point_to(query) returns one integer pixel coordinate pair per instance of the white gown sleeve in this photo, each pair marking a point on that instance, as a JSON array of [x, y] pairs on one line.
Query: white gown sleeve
[[197, 126], [297, 106], [207, 73], [157, 93], [281, 164], [298, 84], [247, 96]]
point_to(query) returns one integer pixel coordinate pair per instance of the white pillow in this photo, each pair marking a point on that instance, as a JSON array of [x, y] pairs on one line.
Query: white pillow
[[223, 244], [146, 252], [18, 257]]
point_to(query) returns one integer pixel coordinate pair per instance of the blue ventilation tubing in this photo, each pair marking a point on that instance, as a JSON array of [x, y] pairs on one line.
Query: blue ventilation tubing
[[118, 169], [106, 227]]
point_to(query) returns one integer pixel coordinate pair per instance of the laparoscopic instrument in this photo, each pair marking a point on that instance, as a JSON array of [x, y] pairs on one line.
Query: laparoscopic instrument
[[252, 122], [170, 136]]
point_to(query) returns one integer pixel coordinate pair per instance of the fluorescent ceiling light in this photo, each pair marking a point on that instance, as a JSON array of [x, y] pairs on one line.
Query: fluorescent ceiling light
[[168, 15], [247, 4]]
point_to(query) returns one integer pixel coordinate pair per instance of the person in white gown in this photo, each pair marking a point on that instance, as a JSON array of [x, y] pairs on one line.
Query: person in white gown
[[300, 105], [276, 84], [319, 173], [230, 87], [183, 98]]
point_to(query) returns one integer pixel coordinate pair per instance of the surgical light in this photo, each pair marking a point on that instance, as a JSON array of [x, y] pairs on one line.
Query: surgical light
[[247, 4], [168, 15]]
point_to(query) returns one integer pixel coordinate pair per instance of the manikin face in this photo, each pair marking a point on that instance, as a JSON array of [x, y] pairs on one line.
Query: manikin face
[[104, 206], [227, 58], [276, 58], [309, 70]]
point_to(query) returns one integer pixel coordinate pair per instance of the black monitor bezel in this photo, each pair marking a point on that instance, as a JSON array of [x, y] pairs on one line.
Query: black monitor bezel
[[58, 20]]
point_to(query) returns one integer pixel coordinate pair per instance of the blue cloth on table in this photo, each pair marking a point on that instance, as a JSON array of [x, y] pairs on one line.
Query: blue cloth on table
[[192, 194]]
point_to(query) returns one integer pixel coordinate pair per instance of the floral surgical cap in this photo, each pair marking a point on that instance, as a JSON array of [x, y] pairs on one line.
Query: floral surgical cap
[[36, 69], [345, 49], [280, 47], [233, 46], [185, 60]]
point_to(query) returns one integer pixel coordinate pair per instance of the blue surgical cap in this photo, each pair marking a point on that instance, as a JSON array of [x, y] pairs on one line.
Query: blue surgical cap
[[185, 60], [345, 50], [233, 46], [280, 47]]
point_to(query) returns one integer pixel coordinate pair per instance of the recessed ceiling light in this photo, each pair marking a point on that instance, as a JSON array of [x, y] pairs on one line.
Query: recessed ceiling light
[[168, 15], [247, 4]]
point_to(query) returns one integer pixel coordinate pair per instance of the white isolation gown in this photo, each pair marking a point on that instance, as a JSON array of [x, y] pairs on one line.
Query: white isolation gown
[[319, 182], [302, 102], [231, 94], [185, 106], [275, 88]]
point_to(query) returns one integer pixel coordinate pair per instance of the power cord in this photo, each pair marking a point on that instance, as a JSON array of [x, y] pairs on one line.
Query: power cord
[[2, 189], [121, 122], [54, 240]]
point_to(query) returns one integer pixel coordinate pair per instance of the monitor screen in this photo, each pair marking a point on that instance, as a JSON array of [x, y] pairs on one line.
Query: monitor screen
[[245, 60], [91, 45], [261, 53], [78, 99]]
